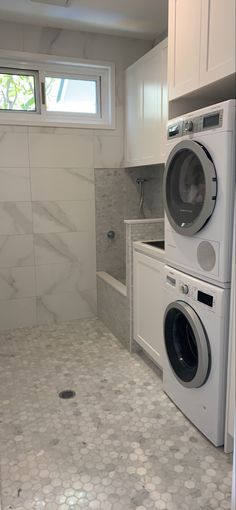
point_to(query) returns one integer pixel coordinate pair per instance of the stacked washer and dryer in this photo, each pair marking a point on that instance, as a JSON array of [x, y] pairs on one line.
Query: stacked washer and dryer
[[199, 184]]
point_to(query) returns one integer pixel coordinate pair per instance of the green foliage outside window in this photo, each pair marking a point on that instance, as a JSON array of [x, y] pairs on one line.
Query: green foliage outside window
[[17, 92]]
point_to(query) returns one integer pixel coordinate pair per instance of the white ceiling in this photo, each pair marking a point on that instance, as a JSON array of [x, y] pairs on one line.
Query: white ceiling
[[134, 18]]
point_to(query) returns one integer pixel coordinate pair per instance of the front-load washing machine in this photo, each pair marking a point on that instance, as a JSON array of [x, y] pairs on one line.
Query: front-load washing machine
[[196, 317], [199, 181]]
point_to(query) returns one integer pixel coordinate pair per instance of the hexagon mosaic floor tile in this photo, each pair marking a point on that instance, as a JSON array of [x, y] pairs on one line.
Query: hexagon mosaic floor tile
[[118, 444]]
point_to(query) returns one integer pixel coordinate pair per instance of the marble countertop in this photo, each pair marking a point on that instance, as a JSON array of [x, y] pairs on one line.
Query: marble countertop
[[147, 249]]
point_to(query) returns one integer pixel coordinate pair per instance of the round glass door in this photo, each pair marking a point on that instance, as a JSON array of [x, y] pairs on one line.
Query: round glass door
[[189, 187], [186, 344]]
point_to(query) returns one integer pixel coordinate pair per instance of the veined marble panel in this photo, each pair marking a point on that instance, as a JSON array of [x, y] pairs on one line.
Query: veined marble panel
[[108, 151], [14, 184], [16, 251], [49, 184], [11, 36], [61, 278], [71, 216], [15, 218], [17, 282], [17, 313], [13, 150], [66, 307], [65, 151], [71, 247]]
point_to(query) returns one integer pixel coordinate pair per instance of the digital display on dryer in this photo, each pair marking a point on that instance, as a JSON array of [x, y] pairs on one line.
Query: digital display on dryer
[[211, 120], [206, 299]]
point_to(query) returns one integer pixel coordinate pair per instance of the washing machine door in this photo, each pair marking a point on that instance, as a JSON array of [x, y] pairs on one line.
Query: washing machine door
[[189, 187], [187, 346]]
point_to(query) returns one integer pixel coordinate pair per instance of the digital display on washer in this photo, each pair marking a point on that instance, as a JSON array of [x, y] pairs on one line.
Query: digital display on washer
[[205, 298], [211, 120], [173, 130]]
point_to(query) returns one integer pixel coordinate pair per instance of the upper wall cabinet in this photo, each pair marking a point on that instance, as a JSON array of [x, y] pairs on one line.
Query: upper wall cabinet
[[217, 40], [201, 47], [146, 108]]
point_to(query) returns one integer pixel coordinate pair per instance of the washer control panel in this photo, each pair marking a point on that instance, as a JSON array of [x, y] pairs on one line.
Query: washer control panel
[[197, 294], [191, 292]]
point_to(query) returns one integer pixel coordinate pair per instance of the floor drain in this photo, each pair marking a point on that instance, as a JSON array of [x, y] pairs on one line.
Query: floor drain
[[67, 394]]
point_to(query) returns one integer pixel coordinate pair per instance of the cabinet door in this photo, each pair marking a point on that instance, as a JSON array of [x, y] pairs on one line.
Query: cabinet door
[[134, 115], [148, 307], [152, 108], [164, 99], [217, 40], [183, 46]]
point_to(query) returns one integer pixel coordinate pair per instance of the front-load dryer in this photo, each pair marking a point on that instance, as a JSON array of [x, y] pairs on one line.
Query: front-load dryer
[[198, 185], [195, 350]]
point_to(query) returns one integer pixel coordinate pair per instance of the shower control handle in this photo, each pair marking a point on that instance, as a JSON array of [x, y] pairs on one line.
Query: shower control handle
[[111, 234]]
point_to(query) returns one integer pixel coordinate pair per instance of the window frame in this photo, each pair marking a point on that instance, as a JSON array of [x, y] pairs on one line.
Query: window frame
[[45, 65]]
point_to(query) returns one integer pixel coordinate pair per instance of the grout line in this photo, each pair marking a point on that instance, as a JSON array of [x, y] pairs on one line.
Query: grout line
[[30, 185]]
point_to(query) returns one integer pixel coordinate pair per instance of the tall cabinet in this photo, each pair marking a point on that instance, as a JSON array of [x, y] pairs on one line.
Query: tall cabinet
[[201, 44], [146, 108]]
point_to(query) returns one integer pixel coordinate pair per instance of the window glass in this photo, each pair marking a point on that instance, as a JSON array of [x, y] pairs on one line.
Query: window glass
[[17, 91], [71, 95]]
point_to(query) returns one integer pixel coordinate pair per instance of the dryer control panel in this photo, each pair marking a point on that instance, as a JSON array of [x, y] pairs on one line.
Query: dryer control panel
[[187, 126]]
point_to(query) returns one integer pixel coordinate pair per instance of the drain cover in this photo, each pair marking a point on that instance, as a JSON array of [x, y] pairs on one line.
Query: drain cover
[[67, 394]]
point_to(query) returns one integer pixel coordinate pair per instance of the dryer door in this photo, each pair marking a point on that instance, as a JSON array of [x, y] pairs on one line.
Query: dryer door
[[187, 345], [189, 187]]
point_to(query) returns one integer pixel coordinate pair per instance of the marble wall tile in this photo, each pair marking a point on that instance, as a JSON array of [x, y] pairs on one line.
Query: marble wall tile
[[57, 151], [12, 128], [108, 151], [16, 251], [15, 218], [17, 313], [65, 307], [13, 150], [88, 45], [61, 278], [71, 216], [17, 282], [49, 184], [11, 36], [53, 168], [74, 248], [14, 184]]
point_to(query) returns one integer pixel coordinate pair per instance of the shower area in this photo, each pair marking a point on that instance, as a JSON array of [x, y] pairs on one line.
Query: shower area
[[127, 201]]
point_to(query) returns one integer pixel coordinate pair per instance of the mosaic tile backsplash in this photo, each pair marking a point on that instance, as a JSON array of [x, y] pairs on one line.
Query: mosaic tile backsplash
[[117, 197]]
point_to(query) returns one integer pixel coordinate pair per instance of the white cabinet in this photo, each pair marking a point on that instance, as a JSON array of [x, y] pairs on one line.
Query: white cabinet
[[201, 44], [183, 46], [146, 108], [217, 40], [148, 308], [134, 95]]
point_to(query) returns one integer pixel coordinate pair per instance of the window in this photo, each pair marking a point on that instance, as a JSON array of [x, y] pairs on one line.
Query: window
[[78, 95], [18, 90], [43, 90]]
